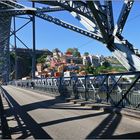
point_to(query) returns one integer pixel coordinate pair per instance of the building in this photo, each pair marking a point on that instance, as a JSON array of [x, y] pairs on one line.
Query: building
[[91, 60], [25, 61]]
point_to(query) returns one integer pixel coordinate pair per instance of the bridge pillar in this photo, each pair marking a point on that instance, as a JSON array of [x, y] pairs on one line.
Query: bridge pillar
[[5, 24]]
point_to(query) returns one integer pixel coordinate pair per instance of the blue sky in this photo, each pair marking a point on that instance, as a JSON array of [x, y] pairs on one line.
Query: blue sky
[[50, 36]]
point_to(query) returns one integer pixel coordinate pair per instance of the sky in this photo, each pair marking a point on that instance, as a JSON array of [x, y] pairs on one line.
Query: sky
[[50, 36]]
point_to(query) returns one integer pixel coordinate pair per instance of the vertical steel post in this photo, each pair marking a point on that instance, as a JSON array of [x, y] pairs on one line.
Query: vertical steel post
[[85, 84], [107, 87], [34, 45], [60, 86], [71, 87], [15, 47], [8, 65], [9, 62]]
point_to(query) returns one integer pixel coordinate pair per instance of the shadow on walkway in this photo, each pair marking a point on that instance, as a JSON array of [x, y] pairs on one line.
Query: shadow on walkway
[[135, 135], [29, 127], [71, 119], [106, 128]]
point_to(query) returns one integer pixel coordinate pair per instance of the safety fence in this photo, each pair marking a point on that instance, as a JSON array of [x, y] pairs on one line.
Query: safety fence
[[117, 89]]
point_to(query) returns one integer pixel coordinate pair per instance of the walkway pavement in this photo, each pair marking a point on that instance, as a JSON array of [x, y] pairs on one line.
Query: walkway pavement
[[33, 115], [4, 129]]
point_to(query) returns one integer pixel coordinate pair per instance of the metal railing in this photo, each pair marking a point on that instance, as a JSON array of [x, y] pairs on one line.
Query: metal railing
[[119, 89]]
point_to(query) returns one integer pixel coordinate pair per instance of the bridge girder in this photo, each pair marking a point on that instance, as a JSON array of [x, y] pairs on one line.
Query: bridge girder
[[123, 16], [102, 17], [5, 24], [101, 29]]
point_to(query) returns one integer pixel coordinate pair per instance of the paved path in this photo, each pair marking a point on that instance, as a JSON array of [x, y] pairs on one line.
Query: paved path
[[33, 115]]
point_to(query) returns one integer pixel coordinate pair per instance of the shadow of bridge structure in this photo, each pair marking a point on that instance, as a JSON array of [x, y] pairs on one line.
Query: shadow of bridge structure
[[27, 126]]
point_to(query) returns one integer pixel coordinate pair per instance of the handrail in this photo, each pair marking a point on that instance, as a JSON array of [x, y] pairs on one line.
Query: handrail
[[118, 89]]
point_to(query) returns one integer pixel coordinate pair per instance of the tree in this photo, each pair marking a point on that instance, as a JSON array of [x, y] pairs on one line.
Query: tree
[[106, 64], [70, 50], [86, 53], [75, 49], [76, 54], [90, 69], [56, 50], [42, 59]]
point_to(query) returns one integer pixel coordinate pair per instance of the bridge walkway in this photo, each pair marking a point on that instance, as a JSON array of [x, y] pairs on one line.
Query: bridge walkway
[[33, 115]]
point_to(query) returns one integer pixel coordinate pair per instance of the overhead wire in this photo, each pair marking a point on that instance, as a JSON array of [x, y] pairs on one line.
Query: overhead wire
[[137, 16]]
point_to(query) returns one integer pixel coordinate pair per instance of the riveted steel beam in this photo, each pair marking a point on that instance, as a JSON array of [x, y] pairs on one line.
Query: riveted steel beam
[[24, 11], [99, 21], [13, 4], [109, 13], [78, 7], [69, 26], [5, 24], [123, 16]]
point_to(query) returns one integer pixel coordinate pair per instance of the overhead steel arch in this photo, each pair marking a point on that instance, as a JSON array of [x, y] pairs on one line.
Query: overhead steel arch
[[96, 17]]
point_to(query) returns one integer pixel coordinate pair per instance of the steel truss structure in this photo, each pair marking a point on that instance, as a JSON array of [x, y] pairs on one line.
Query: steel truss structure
[[96, 17]]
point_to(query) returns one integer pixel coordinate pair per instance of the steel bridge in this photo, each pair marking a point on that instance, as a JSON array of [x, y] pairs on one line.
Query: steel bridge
[[97, 17], [113, 90]]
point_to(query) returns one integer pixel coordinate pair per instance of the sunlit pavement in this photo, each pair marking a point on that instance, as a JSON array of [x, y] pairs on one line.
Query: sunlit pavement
[[33, 115]]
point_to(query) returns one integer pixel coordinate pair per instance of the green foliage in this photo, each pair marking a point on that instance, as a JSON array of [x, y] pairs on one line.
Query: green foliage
[[106, 64], [42, 58], [120, 69], [48, 65], [74, 52], [86, 53], [90, 69], [102, 69], [13, 55], [70, 50], [55, 50], [75, 49]]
